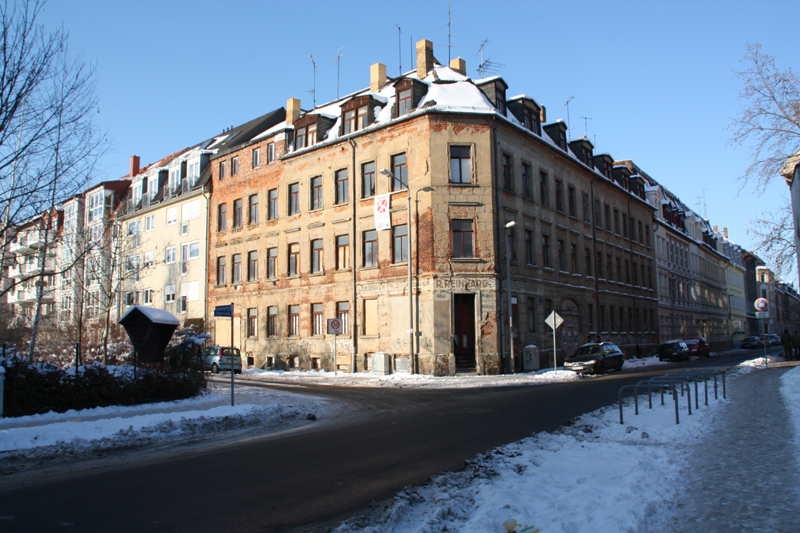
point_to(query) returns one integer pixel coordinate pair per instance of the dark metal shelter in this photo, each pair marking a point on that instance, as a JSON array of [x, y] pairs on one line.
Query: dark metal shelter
[[149, 330]]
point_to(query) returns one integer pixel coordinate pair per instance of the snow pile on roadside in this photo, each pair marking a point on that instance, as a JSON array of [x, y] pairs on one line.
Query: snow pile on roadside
[[592, 473], [752, 365], [112, 427]]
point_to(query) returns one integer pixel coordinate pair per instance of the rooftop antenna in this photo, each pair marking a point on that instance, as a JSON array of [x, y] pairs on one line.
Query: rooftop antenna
[[313, 90], [399, 50], [339, 55], [701, 204], [586, 126], [449, 33], [487, 65], [566, 104]]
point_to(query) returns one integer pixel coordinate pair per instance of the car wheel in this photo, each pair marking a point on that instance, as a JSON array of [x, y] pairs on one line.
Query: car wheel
[[621, 364], [214, 369], [599, 367]]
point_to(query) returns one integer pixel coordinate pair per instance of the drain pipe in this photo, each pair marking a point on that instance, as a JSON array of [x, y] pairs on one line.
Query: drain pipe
[[497, 226], [354, 311]]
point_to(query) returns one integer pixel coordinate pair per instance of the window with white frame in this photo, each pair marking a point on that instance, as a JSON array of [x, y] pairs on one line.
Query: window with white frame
[[147, 297], [172, 216], [194, 172], [270, 152], [137, 192], [256, 157], [149, 222], [95, 207], [134, 233], [152, 186], [169, 294], [148, 259], [169, 256], [175, 179]]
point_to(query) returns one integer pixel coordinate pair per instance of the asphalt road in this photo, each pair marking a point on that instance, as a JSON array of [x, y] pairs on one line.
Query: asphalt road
[[302, 479]]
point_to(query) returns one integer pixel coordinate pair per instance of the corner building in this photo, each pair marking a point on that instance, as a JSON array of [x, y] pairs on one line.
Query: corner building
[[294, 238]]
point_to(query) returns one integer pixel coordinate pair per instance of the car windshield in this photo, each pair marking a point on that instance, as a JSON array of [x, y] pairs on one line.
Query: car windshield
[[691, 342], [589, 349]]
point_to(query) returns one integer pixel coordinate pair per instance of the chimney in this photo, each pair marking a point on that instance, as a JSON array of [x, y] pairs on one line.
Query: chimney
[[459, 65], [725, 232], [134, 165], [715, 229], [377, 77], [292, 110], [424, 58], [543, 115]]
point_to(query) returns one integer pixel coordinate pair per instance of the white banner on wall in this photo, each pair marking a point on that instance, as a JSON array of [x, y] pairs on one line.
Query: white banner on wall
[[383, 219]]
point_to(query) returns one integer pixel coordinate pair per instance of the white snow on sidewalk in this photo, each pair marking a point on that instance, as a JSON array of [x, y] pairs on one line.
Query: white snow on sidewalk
[[592, 475], [157, 421]]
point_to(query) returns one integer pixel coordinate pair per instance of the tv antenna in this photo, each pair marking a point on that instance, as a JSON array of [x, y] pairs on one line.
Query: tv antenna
[[449, 33], [339, 55], [313, 90], [586, 126], [487, 65], [399, 50], [566, 104], [701, 204]]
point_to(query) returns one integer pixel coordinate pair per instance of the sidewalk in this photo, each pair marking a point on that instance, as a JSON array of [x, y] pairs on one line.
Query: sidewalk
[[743, 476]]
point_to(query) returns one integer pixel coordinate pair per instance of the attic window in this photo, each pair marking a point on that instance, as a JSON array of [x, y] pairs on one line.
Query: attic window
[[501, 100], [306, 136], [531, 121], [404, 103]]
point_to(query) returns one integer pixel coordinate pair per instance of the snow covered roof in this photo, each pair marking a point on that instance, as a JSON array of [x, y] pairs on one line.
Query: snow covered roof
[[157, 316]]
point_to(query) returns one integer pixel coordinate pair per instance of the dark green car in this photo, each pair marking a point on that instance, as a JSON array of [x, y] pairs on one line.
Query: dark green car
[[216, 358]]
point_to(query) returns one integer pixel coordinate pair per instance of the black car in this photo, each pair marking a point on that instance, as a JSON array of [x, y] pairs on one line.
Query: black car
[[752, 342], [674, 351], [596, 357]]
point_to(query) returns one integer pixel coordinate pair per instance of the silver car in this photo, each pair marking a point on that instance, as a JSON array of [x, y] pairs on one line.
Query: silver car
[[216, 358]]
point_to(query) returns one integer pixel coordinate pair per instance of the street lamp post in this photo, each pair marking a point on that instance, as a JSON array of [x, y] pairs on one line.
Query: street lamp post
[[389, 174], [509, 226]]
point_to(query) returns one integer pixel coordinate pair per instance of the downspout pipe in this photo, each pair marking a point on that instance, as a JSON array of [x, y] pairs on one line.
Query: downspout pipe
[[594, 248], [353, 240], [498, 226]]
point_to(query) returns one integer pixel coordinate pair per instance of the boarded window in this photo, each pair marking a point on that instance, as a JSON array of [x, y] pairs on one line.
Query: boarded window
[[370, 317]]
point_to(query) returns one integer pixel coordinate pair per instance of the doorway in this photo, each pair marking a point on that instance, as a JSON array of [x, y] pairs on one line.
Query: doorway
[[464, 330]]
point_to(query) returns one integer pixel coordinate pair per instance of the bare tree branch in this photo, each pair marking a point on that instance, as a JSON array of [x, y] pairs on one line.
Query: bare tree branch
[[774, 238]]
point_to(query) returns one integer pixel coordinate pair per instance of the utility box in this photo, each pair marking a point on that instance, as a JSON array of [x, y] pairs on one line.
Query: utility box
[[381, 363], [530, 358]]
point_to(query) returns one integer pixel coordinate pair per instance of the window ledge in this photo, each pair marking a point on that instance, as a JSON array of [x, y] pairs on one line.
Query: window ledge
[[466, 260], [216, 287], [400, 263], [370, 267], [462, 185], [252, 281], [340, 270], [369, 336], [548, 269], [296, 276], [316, 274]]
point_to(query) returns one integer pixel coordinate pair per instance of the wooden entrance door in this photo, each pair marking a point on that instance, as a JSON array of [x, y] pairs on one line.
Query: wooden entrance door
[[464, 330]]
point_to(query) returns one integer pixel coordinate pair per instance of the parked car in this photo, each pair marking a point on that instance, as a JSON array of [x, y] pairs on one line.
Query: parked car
[[698, 346], [595, 357], [674, 350], [752, 342], [774, 340], [216, 358]]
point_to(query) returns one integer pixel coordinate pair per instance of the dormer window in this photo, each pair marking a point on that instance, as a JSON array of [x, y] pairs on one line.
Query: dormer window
[[363, 117], [305, 136], [501, 102], [194, 172], [349, 122], [404, 104], [531, 121], [152, 186]]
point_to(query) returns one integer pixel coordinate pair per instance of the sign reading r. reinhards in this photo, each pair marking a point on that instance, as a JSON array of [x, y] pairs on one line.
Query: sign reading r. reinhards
[[463, 284]]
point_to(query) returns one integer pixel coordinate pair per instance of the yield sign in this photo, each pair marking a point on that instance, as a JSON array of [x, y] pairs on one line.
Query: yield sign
[[554, 320]]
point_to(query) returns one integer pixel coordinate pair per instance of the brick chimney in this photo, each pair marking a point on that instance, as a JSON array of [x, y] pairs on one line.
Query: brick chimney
[[134, 165], [459, 65], [292, 110], [725, 232], [377, 77], [424, 58], [543, 115]]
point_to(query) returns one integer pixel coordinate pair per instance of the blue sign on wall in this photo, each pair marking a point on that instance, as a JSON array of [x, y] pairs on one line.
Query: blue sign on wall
[[224, 310]]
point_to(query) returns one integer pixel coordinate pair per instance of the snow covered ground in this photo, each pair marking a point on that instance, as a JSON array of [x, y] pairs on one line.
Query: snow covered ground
[[592, 472], [346, 379], [591, 475]]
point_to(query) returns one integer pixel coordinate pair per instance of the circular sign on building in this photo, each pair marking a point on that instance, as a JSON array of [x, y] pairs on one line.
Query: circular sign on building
[[335, 326], [762, 305]]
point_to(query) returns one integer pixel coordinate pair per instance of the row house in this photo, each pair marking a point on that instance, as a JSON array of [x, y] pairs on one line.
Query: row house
[[783, 300], [425, 177], [164, 227], [32, 272], [751, 290], [735, 272], [692, 290]]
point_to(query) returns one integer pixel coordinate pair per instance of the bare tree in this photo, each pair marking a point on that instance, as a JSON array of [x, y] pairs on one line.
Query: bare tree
[[770, 119], [774, 238], [769, 125]]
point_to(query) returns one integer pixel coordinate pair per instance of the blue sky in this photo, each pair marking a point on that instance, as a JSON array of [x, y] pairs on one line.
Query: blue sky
[[656, 78]]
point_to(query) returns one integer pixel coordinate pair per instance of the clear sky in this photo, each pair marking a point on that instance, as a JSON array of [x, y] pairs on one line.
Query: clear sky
[[655, 78]]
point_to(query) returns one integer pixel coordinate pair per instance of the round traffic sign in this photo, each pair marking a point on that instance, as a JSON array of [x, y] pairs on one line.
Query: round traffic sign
[[336, 324], [762, 304]]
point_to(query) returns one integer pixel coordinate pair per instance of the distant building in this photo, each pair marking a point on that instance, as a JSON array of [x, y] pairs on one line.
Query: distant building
[[791, 173]]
